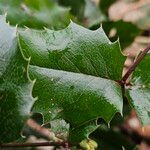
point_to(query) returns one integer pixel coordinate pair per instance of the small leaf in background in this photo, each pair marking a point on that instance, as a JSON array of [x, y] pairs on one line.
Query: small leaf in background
[[36, 13], [139, 92], [87, 12], [16, 98], [77, 7]]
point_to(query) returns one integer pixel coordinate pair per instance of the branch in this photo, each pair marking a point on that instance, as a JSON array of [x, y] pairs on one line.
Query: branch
[[17, 145], [133, 129], [135, 64], [42, 131], [137, 137]]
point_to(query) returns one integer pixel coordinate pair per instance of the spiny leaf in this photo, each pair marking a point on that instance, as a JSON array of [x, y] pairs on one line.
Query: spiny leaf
[[70, 84], [66, 93], [139, 93], [77, 98], [15, 86], [74, 49]]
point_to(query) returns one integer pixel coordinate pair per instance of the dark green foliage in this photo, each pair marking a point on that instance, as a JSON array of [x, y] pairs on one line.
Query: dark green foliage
[[76, 72]]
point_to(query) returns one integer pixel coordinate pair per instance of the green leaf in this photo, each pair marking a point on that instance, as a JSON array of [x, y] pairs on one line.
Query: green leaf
[[79, 50], [74, 49], [76, 135], [66, 93], [75, 97], [70, 84], [139, 93], [15, 86], [36, 13]]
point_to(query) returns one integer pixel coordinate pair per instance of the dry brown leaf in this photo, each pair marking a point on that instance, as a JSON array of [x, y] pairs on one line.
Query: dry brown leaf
[[135, 12], [140, 42]]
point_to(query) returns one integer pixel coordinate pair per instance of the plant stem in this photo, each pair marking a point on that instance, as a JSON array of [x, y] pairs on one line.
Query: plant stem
[[135, 64], [49, 135], [17, 145]]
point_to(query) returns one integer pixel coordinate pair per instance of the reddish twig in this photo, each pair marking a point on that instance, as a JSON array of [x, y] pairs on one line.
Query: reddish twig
[[42, 131], [18, 145], [135, 64]]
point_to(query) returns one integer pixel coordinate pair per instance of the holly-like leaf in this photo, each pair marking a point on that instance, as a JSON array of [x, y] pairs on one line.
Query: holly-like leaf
[[70, 84], [68, 93], [74, 49], [139, 93], [15, 85], [36, 13]]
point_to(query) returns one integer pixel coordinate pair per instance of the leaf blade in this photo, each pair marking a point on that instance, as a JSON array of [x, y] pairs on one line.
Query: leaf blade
[[76, 94], [139, 93], [15, 85], [74, 49]]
